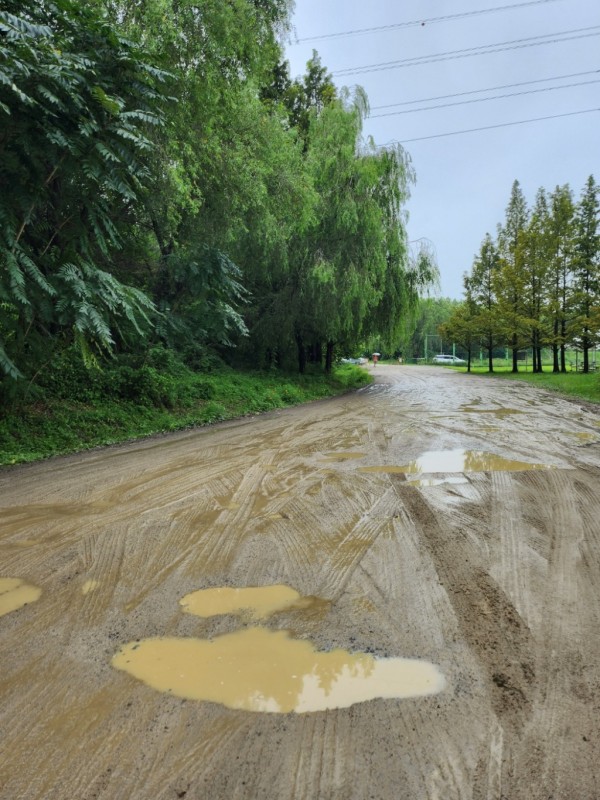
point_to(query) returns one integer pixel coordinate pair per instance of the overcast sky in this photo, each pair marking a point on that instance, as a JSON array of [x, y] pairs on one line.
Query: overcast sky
[[464, 181]]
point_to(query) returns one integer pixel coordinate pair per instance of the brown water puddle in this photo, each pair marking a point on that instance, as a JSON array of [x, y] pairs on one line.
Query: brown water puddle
[[586, 437], [257, 669], [260, 601], [342, 456], [458, 460], [15, 593], [499, 413]]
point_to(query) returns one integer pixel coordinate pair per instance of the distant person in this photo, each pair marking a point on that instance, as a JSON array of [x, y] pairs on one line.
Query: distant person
[[375, 359]]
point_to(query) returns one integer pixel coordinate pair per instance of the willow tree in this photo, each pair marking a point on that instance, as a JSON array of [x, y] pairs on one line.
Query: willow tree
[[354, 278], [225, 171]]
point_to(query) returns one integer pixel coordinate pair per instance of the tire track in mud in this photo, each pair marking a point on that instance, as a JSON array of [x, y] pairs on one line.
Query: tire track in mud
[[489, 622], [555, 742]]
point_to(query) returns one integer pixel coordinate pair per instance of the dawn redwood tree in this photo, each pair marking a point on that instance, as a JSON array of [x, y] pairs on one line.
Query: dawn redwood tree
[[586, 270], [511, 246], [536, 265], [561, 230]]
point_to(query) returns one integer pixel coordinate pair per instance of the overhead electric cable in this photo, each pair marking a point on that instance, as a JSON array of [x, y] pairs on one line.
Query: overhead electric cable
[[491, 127], [488, 89], [481, 99], [512, 44], [421, 22]]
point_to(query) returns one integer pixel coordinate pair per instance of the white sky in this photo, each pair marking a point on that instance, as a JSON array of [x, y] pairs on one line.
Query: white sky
[[464, 181]]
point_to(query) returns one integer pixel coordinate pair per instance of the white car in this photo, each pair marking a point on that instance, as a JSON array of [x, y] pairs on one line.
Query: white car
[[452, 360]]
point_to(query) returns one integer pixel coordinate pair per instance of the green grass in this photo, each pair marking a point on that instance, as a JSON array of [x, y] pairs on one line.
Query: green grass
[[60, 422], [572, 384]]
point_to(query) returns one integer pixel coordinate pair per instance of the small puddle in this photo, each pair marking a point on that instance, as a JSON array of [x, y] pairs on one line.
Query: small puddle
[[259, 602], [257, 669], [499, 413], [89, 586], [458, 460], [15, 593], [586, 437], [342, 456]]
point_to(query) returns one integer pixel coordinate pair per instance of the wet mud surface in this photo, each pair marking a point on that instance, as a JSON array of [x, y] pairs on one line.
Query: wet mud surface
[[441, 525]]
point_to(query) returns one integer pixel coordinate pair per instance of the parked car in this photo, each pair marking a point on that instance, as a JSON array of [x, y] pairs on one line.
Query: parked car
[[445, 359]]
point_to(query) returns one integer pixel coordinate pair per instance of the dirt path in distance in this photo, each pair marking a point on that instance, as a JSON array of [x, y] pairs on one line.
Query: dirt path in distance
[[434, 516]]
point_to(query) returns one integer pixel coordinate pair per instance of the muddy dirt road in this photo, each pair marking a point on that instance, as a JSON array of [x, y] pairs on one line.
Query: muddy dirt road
[[433, 516]]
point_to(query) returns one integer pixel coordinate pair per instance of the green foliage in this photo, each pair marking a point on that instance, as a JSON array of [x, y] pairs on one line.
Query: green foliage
[[73, 148], [543, 286], [75, 409]]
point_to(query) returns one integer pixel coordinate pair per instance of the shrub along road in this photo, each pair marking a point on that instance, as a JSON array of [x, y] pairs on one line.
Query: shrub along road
[[433, 515]]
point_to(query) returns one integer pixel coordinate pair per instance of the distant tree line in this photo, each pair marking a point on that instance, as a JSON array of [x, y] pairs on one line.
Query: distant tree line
[[537, 284], [164, 180]]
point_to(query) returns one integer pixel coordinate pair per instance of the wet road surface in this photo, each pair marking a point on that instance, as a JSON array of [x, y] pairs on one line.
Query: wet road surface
[[437, 517]]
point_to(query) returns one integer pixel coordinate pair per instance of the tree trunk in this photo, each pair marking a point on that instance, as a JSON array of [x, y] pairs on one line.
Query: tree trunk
[[555, 367], [329, 357], [490, 355], [515, 353], [301, 354]]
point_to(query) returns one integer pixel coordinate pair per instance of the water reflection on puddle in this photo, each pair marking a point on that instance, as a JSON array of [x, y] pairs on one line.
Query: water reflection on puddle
[[436, 481], [257, 669], [458, 460], [260, 601], [15, 593]]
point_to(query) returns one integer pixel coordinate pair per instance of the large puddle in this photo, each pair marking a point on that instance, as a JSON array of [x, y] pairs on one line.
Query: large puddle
[[16, 593], [259, 602], [257, 669], [458, 461]]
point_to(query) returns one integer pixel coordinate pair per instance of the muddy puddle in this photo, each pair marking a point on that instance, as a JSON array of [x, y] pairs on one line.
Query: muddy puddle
[[457, 460], [16, 593], [343, 456], [498, 413], [584, 436], [258, 602], [256, 669]]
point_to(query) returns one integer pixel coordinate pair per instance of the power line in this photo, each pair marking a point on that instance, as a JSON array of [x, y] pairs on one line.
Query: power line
[[491, 127], [512, 44], [482, 99], [421, 22], [489, 89]]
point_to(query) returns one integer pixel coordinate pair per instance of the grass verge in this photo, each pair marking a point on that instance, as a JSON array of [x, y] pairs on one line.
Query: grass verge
[[571, 384], [57, 425]]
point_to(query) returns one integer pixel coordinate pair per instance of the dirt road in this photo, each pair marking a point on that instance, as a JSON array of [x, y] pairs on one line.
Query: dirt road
[[434, 516]]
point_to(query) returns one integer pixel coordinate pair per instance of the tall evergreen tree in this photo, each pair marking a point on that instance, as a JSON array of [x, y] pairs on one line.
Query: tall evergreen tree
[[560, 243], [586, 270], [511, 246]]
